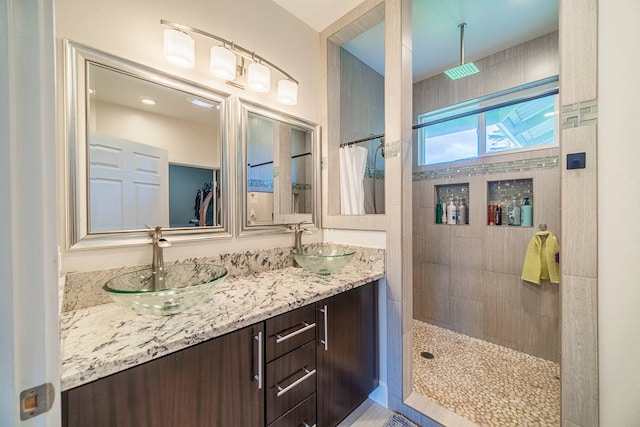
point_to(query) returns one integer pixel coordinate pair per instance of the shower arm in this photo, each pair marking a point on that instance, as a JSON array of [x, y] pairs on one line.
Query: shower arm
[[461, 26]]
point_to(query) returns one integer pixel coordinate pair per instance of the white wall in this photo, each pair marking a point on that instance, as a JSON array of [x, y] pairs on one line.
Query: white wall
[[188, 142], [618, 237], [132, 30]]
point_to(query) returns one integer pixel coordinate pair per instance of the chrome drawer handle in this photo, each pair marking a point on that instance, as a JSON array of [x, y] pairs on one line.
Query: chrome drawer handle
[[280, 338], [307, 374], [258, 377], [304, 424], [325, 341]]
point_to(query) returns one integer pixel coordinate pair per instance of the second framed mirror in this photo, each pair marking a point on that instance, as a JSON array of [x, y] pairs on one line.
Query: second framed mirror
[[279, 166]]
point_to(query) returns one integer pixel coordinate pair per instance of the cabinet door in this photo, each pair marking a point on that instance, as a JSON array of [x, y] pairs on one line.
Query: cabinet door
[[347, 352], [209, 384]]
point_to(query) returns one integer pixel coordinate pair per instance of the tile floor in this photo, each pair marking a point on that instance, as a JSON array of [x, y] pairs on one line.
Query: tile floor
[[486, 383]]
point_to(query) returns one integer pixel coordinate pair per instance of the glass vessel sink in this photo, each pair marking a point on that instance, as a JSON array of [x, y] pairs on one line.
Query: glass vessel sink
[[323, 259], [166, 290]]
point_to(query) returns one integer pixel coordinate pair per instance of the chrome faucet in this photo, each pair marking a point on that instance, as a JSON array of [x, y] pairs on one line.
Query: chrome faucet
[[157, 264], [297, 235]]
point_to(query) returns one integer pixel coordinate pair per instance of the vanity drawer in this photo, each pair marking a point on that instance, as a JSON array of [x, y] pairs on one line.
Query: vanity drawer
[[303, 415], [290, 330], [290, 379]]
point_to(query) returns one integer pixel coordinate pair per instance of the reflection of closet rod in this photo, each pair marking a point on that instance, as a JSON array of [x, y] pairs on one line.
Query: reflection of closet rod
[[268, 163], [358, 141]]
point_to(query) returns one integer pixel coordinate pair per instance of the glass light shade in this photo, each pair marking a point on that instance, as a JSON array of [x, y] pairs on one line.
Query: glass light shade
[[287, 92], [259, 77], [179, 48], [222, 63]]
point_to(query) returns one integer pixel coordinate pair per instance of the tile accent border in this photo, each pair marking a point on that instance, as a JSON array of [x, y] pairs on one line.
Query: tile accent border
[[580, 114], [550, 162]]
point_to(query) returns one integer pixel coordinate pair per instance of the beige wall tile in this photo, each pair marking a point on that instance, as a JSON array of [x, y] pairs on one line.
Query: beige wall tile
[[579, 350], [435, 292], [543, 299], [541, 336], [579, 205], [467, 317], [466, 283], [578, 50], [466, 252]]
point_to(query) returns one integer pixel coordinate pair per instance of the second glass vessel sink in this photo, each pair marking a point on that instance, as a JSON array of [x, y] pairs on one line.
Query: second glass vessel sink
[[165, 290], [323, 259]]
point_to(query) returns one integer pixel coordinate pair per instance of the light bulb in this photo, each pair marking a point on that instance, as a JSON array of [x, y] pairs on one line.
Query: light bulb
[[222, 63], [259, 78], [288, 92], [179, 48]]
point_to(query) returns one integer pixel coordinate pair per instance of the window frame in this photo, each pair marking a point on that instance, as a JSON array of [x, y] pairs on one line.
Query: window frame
[[513, 96]]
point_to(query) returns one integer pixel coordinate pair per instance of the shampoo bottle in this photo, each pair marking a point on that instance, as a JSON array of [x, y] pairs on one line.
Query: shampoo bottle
[[526, 214], [451, 212], [514, 213], [462, 212], [444, 212], [439, 213]]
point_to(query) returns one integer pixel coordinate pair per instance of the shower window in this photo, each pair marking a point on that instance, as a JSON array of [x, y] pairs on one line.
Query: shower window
[[519, 119]]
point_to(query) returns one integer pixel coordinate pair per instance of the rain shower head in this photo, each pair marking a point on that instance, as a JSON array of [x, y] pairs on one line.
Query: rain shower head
[[462, 70]]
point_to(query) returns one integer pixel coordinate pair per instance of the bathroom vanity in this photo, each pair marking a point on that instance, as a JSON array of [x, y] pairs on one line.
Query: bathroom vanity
[[280, 348]]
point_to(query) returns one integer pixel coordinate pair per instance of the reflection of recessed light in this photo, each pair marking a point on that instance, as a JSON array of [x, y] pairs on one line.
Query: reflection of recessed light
[[550, 114], [147, 101], [200, 103]]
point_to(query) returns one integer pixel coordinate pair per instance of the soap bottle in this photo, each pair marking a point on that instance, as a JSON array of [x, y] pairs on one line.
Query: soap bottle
[[526, 214], [492, 214], [439, 213], [451, 212], [462, 212], [514, 213], [498, 219]]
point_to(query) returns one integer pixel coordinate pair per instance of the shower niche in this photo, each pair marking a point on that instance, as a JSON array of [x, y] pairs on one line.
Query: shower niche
[[459, 195], [503, 194]]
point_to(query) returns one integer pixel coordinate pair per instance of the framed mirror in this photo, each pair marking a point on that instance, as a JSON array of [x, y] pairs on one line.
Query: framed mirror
[[280, 170], [144, 149]]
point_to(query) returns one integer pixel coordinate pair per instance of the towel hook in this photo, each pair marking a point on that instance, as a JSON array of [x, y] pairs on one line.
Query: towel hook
[[542, 227]]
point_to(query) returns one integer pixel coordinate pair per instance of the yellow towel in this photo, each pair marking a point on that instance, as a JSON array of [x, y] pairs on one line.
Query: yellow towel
[[540, 262]]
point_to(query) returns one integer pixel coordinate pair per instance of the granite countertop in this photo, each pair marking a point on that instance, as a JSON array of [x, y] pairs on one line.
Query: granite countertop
[[101, 340]]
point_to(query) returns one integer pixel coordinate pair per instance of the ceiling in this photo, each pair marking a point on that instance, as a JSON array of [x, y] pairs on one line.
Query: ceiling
[[318, 14], [122, 89], [492, 26]]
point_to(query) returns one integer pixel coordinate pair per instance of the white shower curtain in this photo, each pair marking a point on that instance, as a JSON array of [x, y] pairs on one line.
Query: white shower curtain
[[353, 161]]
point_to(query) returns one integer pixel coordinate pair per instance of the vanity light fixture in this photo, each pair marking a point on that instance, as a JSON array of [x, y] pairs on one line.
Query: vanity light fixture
[[179, 48]]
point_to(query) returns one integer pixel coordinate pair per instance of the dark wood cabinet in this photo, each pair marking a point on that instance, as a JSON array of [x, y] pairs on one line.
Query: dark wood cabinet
[[316, 365], [209, 384], [347, 352]]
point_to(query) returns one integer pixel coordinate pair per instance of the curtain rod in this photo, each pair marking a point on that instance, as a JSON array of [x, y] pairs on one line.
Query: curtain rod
[[268, 163], [369, 138]]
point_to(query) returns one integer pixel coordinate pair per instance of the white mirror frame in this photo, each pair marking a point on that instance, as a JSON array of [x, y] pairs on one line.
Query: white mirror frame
[[244, 108], [76, 57]]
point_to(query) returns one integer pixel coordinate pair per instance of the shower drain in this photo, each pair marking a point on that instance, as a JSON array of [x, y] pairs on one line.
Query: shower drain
[[426, 355]]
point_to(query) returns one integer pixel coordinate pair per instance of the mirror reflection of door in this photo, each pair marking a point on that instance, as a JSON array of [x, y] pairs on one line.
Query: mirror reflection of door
[[128, 184], [146, 141]]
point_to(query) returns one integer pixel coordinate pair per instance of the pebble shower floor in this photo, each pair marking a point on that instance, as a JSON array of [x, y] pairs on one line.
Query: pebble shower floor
[[486, 383]]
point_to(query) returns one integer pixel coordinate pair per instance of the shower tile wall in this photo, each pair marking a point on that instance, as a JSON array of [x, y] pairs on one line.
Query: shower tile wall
[[467, 278]]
